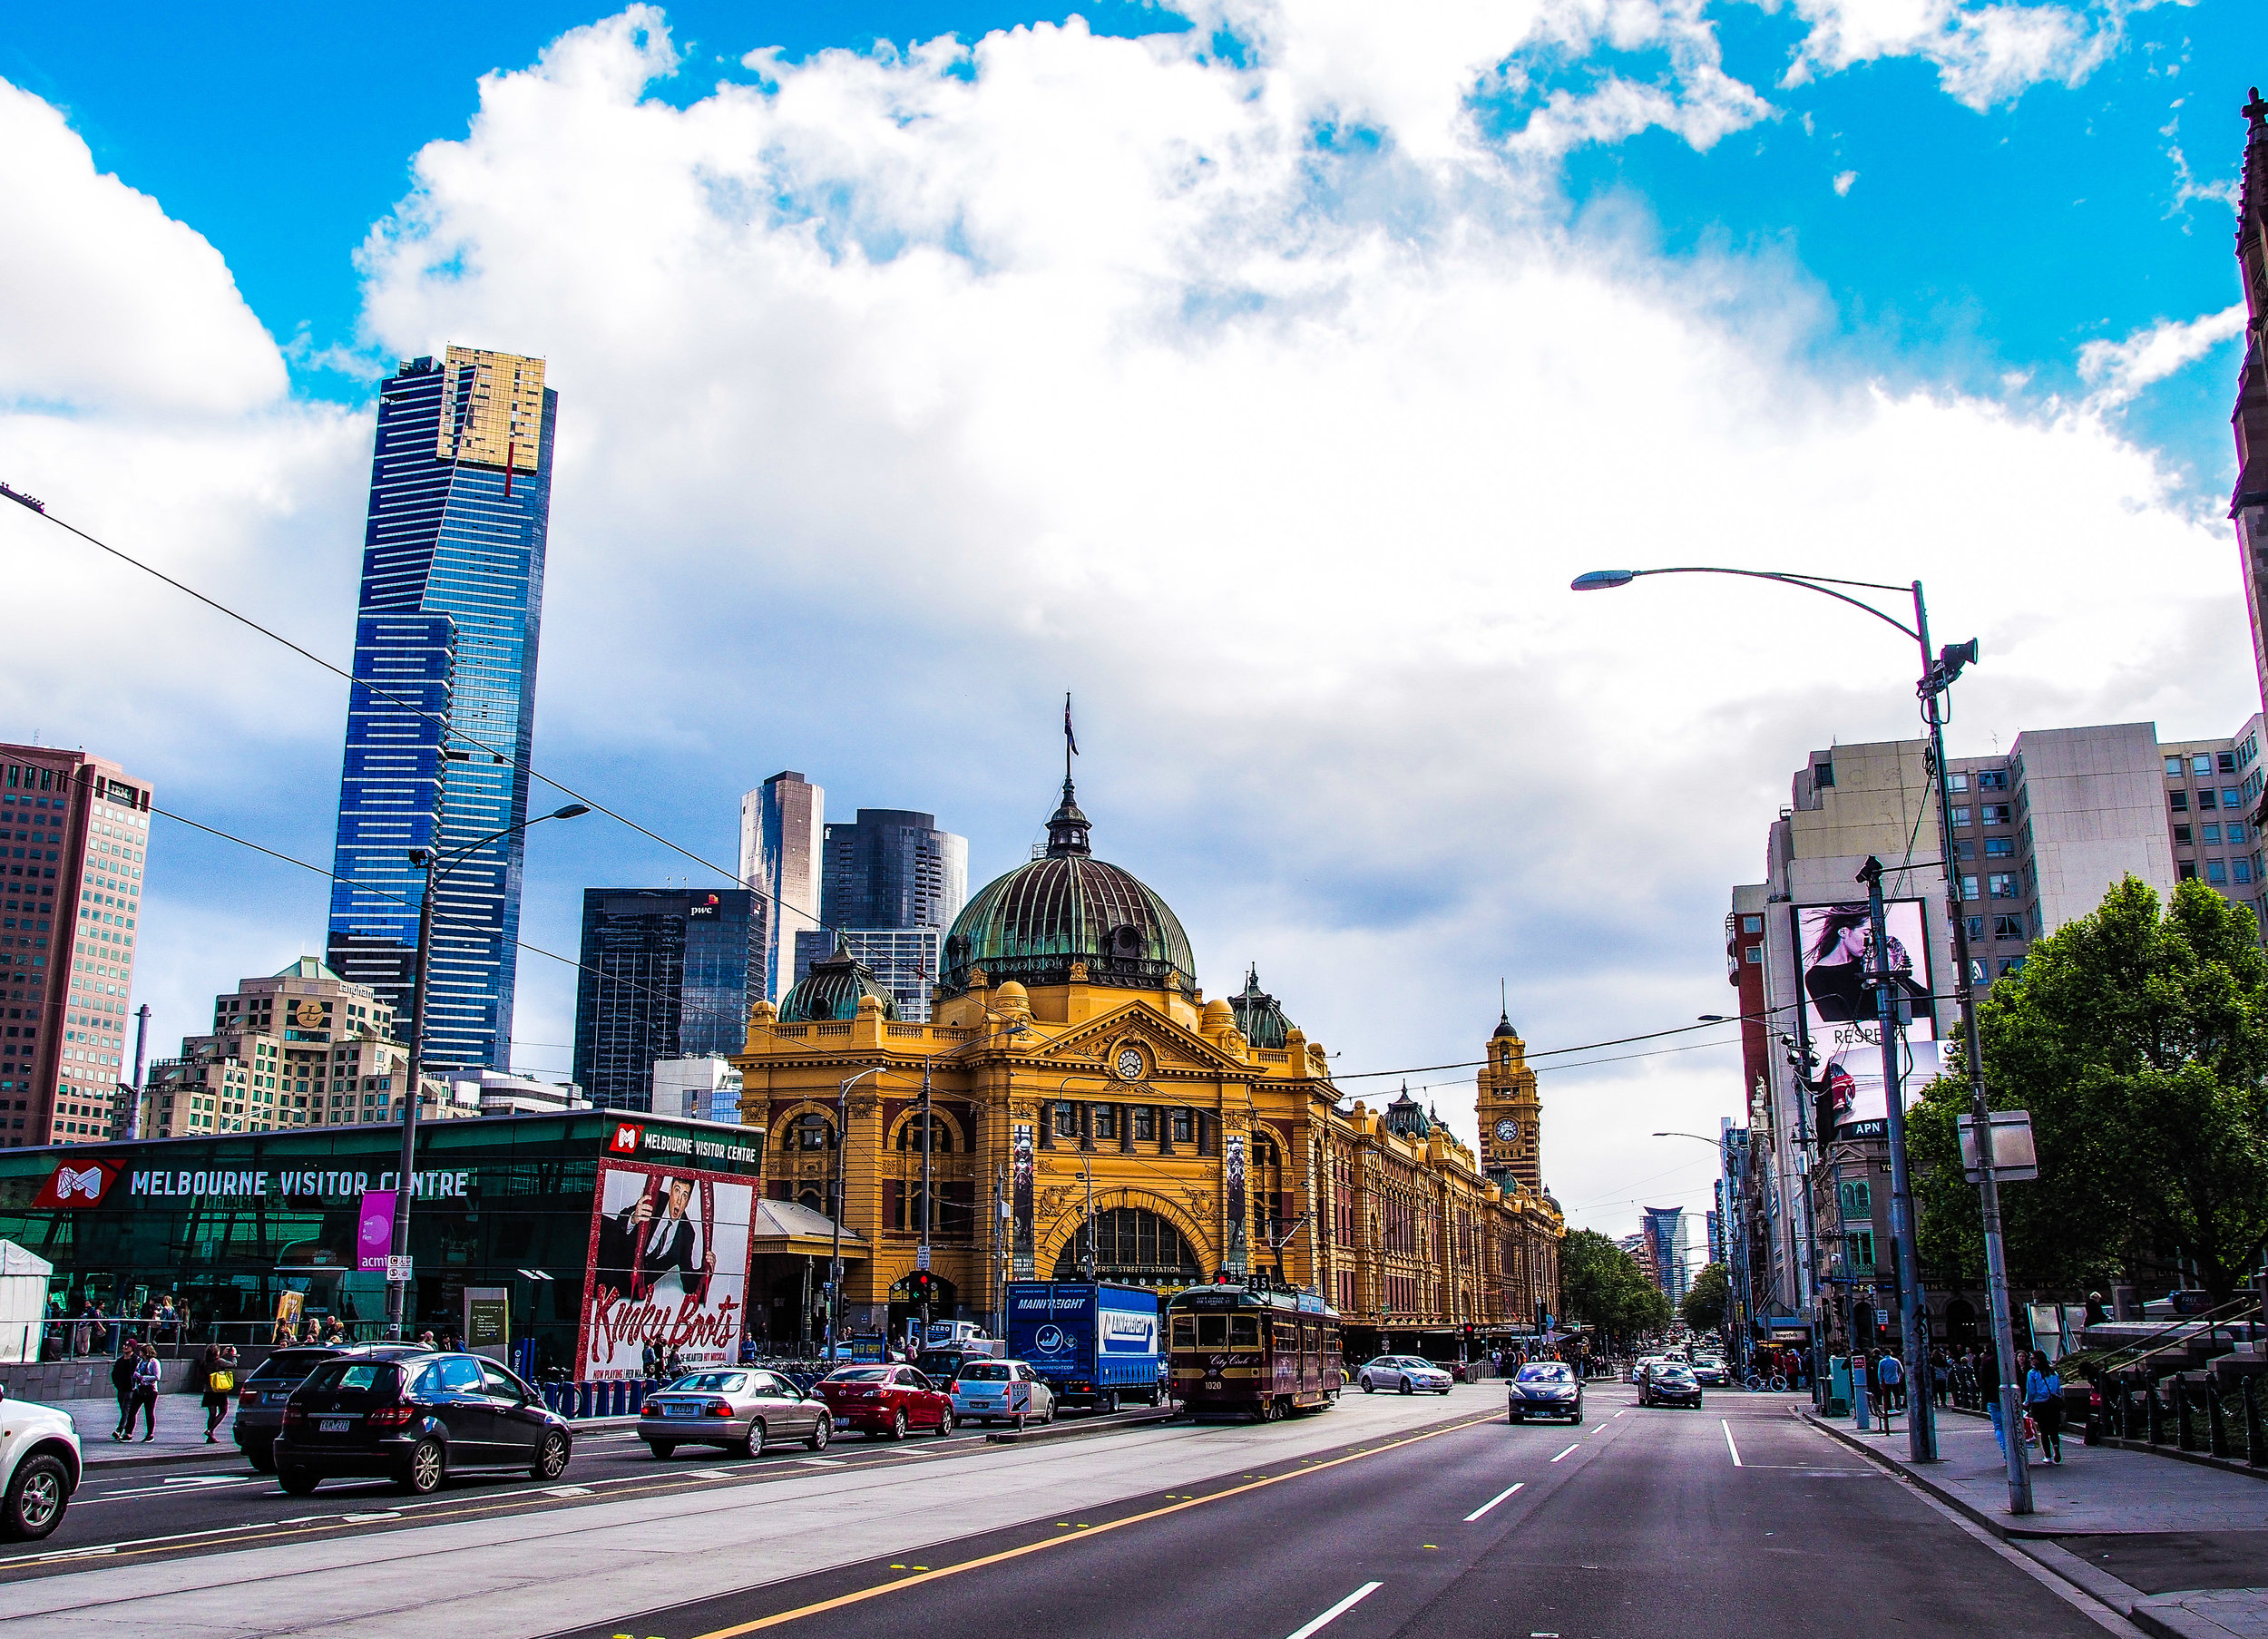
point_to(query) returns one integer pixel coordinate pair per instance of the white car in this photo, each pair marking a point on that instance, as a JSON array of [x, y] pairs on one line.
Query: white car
[[39, 1468], [988, 1391], [1404, 1372]]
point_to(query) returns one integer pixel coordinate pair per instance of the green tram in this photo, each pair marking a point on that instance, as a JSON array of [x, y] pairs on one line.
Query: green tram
[[1256, 1351]]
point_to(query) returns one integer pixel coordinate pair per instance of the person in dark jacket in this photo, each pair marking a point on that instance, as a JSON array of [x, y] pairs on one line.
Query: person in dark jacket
[[1989, 1386], [220, 1385], [122, 1386]]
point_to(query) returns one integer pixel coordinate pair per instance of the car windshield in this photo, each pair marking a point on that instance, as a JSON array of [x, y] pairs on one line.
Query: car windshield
[[860, 1375], [988, 1373], [291, 1364], [1543, 1374], [712, 1382], [1675, 1374], [352, 1375]]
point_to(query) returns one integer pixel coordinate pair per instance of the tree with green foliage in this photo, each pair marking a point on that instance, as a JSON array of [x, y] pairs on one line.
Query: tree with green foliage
[[2139, 1043], [1705, 1301], [1602, 1286]]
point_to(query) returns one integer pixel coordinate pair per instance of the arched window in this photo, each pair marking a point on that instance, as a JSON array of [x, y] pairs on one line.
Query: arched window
[[810, 1197], [941, 1140], [1133, 1246], [813, 1131]]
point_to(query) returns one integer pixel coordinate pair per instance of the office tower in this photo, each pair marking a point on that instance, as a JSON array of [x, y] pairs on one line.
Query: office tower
[[891, 885], [2248, 507], [1665, 1234], [298, 1047], [77, 829], [780, 843], [666, 973], [446, 629]]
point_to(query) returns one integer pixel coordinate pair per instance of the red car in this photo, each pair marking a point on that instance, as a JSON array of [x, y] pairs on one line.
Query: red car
[[885, 1399]]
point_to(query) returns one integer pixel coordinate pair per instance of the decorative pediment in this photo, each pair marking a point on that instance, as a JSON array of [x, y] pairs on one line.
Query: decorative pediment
[[1167, 1046]]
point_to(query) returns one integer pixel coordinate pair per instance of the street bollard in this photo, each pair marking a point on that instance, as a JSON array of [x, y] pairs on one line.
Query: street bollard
[[582, 1400], [2216, 1421], [1858, 1402], [2253, 1454], [2182, 1438]]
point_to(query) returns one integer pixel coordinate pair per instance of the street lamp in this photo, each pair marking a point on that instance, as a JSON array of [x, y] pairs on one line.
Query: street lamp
[[834, 1258], [1938, 671], [436, 865]]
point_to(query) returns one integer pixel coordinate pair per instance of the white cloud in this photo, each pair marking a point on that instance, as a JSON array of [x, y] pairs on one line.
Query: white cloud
[[2119, 370], [1844, 182], [105, 302], [1986, 54], [902, 392]]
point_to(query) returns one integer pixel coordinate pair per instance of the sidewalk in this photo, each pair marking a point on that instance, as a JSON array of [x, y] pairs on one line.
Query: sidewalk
[[2179, 1548], [181, 1431]]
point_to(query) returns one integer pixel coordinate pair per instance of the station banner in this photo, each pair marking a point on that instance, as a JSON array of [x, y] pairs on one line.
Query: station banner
[[667, 1266]]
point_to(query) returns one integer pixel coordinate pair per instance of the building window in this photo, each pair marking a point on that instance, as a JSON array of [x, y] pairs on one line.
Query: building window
[[2187, 870], [1145, 1123], [2000, 847], [2008, 927], [2217, 872], [2001, 884], [2243, 869], [1861, 1249], [1067, 1121], [1964, 848], [1105, 1121], [2232, 799], [1992, 779], [1997, 814], [2173, 768], [1184, 1126], [2178, 800], [2224, 762], [1974, 927], [1956, 782], [2202, 762], [2014, 965], [1969, 887], [2236, 834], [1755, 956], [1752, 924], [1960, 816], [1858, 1200], [2210, 835], [2205, 799], [811, 1132], [2181, 836]]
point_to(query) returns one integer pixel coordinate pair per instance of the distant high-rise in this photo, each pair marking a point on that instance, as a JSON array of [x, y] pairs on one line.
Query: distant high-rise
[[77, 828], [2249, 505], [892, 882], [1665, 1237], [452, 604], [781, 823], [666, 973]]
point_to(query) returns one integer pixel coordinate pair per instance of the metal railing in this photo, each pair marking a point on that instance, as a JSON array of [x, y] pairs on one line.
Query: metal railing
[[2126, 1357]]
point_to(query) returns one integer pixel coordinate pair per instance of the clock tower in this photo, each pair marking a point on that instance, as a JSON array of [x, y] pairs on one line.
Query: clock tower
[[1510, 1113]]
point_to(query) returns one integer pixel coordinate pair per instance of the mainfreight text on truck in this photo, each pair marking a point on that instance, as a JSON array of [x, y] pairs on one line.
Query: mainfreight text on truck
[[1094, 1344]]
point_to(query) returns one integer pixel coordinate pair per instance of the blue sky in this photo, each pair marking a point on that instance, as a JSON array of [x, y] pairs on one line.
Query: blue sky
[[1262, 386]]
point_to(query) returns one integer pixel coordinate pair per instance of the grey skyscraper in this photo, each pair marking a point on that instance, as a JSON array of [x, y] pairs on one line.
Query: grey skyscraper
[[666, 973], [452, 604], [892, 883], [780, 825]]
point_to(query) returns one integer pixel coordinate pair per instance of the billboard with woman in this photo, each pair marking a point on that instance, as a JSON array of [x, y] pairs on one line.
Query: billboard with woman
[[1834, 954]]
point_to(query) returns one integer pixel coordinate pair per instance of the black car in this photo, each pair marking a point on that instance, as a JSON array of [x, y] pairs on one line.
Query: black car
[[413, 1416], [1667, 1383], [262, 1394], [1544, 1389]]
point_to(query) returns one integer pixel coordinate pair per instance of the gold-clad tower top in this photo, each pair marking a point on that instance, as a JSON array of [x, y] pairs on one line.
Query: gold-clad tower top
[[492, 412]]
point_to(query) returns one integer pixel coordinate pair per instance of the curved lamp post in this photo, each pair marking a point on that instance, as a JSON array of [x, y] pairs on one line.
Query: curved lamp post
[[1937, 672], [437, 866]]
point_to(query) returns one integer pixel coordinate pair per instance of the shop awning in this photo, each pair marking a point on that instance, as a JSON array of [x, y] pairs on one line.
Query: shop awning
[[791, 1227]]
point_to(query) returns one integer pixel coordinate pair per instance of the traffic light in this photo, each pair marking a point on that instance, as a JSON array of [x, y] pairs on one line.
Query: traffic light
[[1469, 1331]]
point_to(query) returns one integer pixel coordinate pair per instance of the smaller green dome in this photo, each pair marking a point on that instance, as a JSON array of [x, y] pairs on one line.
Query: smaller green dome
[[1406, 1116], [831, 990], [1257, 1014]]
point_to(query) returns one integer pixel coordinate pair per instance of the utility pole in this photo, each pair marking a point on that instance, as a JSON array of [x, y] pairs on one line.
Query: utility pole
[[1913, 1316], [929, 1212]]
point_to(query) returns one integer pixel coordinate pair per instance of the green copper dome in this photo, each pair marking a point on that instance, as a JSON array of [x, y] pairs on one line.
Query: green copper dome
[[831, 990], [1067, 906], [1257, 1014]]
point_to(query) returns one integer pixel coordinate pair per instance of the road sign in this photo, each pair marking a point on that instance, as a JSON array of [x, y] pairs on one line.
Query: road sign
[[920, 1258], [397, 1270], [2015, 1160]]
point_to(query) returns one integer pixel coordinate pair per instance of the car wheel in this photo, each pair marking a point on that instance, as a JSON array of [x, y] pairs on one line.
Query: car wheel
[[663, 1449], [821, 1432], [1110, 1403], [421, 1475], [897, 1425], [261, 1457], [1051, 1416], [1368, 1386], [37, 1496], [946, 1424], [1405, 1386], [551, 1456], [752, 1446], [1513, 1417], [297, 1482]]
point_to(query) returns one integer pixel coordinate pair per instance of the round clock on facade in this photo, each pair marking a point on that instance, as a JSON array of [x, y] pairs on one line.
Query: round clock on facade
[[310, 1014], [1508, 1130], [1129, 1064]]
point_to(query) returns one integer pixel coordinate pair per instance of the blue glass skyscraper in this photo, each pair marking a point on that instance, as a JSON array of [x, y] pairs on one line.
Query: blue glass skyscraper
[[452, 602]]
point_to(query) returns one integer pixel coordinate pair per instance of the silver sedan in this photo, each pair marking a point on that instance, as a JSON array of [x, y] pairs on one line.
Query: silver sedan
[[1407, 1373], [741, 1408]]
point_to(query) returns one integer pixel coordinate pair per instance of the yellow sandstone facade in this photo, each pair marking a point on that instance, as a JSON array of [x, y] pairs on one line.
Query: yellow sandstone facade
[[1093, 1116]]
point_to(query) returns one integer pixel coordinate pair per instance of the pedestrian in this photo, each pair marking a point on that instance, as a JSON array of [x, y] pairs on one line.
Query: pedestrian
[[1989, 1387], [424, 1339], [219, 1384], [2043, 1398], [122, 1386], [650, 1360], [1893, 1374], [1940, 1377], [334, 1333], [145, 1399]]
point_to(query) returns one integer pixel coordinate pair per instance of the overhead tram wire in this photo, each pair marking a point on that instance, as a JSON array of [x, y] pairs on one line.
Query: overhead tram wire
[[448, 731]]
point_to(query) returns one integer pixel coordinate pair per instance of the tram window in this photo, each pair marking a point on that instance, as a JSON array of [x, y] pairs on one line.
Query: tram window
[[1244, 1331], [1287, 1336], [1212, 1332], [1308, 1336], [1185, 1332]]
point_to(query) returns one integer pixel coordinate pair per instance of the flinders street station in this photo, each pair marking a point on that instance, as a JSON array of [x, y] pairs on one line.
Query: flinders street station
[[1091, 1114]]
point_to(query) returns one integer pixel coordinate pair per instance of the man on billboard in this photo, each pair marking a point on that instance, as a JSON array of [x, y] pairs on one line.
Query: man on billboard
[[639, 1247]]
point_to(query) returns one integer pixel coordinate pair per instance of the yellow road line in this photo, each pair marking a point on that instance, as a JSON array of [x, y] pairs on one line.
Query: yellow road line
[[902, 1583]]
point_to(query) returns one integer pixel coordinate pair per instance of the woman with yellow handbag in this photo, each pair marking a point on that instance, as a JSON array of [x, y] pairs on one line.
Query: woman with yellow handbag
[[220, 1385]]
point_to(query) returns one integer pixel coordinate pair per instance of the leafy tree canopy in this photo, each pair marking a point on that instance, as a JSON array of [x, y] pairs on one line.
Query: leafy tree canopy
[[1602, 1286], [1704, 1305]]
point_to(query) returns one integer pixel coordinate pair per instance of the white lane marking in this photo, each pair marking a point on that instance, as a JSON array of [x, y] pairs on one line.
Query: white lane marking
[[70, 1554], [566, 1490], [1569, 1449], [1726, 1424], [87, 1502], [363, 1519], [819, 1462], [1337, 1611], [1492, 1501], [1625, 1412], [705, 1474]]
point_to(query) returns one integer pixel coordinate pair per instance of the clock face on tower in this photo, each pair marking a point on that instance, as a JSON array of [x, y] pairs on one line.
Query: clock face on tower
[[1508, 1130], [1129, 1064]]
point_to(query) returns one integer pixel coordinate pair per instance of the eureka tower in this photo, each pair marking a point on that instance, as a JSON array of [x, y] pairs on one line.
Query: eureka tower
[[439, 714]]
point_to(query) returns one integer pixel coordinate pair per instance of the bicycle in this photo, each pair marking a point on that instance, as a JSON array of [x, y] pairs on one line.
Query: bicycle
[[1757, 1383]]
